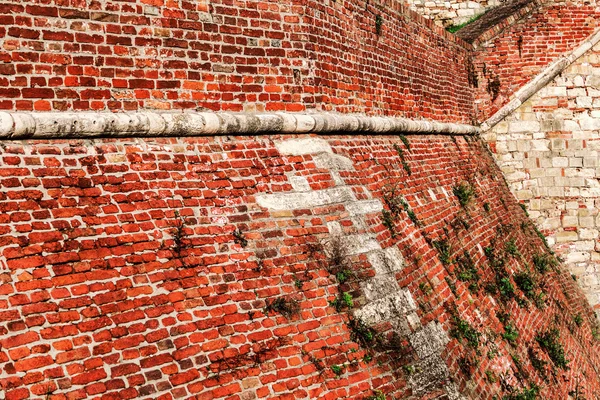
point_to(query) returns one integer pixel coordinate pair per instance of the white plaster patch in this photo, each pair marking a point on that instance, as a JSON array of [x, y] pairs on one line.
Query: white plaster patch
[[299, 147], [292, 201]]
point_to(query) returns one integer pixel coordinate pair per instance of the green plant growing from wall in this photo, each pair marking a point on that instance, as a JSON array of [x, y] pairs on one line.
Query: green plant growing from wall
[[466, 271], [538, 364], [405, 141], [544, 262], [464, 192], [239, 238], [463, 330], [526, 282], [548, 341], [402, 159], [505, 288], [338, 369], [529, 393], [284, 306], [378, 24], [511, 248], [444, 250], [378, 395]]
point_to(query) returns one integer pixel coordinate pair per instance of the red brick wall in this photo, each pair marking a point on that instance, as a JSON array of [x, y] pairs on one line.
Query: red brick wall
[[517, 53], [220, 55], [122, 275]]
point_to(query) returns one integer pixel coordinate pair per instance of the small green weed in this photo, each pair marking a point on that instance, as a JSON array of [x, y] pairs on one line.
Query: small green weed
[[425, 288], [464, 192], [526, 282], [463, 330], [505, 288], [238, 237], [444, 250], [378, 395], [362, 334], [491, 377], [530, 393], [456, 28], [466, 271], [511, 248], [378, 24], [388, 222], [549, 342], [544, 262], [284, 306], [510, 333], [578, 320], [538, 364], [337, 369]]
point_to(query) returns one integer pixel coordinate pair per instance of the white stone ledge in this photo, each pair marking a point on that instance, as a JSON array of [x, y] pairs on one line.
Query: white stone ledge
[[540, 81], [67, 125]]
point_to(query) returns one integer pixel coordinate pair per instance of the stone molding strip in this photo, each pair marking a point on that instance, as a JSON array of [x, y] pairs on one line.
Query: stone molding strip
[[71, 125], [541, 80]]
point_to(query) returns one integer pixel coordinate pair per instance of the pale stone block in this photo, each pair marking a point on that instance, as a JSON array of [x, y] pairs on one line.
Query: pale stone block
[[593, 81], [561, 181], [566, 236], [576, 92], [588, 123], [579, 81], [523, 145], [530, 163], [588, 234], [570, 125], [540, 145], [560, 162], [524, 126], [550, 224], [551, 172], [524, 195], [576, 162], [584, 101], [553, 91], [516, 176], [576, 144], [572, 205], [534, 204], [556, 192], [537, 173], [577, 257], [570, 222], [535, 214], [465, 12], [547, 181]]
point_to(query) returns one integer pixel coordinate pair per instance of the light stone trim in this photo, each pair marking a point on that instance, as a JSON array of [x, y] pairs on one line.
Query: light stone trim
[[71, 125], [540, 81]]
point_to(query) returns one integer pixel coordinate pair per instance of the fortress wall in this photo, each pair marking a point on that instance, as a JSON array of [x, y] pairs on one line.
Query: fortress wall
[[285, 55], [278, 267], [548, 150], [512, 53]]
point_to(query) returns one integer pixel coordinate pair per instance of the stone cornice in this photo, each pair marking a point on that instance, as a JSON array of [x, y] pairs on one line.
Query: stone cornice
[[71, 125]]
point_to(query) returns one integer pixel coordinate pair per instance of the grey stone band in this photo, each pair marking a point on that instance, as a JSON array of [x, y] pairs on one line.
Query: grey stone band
[[67, 125], [541, 80]]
